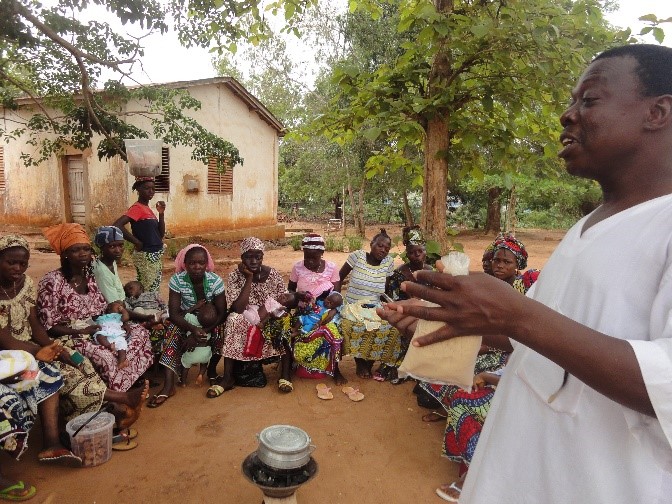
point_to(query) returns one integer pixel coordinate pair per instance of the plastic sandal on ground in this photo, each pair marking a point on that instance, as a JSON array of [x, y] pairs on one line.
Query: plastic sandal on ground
[[444, 495], [353, 394], [324, 392]]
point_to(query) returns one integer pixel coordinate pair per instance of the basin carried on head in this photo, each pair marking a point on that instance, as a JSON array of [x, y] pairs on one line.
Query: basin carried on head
[[143, 156]]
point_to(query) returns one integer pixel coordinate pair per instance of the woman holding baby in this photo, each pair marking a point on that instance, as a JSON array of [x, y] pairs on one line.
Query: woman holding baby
[[69, 300], [192, 288]]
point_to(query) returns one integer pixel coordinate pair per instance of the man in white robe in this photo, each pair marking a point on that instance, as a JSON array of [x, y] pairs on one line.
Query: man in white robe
[[583, 413]]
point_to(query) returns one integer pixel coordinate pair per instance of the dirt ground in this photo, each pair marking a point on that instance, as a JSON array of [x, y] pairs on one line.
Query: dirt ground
[[191, 448]]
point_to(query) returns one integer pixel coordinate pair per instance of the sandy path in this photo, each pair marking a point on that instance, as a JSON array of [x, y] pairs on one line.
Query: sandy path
[[190, 449]]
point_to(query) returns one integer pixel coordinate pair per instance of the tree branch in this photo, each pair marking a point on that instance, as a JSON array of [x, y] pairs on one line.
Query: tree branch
[[77, 53]]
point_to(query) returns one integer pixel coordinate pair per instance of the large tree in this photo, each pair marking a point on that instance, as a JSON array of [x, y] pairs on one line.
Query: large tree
[[478, 77]]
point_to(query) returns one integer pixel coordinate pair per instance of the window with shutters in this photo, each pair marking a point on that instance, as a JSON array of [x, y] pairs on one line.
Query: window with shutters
[[2, 169], [219, 182], [162, 182]]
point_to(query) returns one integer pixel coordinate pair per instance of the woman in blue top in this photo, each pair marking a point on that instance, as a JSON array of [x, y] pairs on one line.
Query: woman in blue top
[[192, 285]]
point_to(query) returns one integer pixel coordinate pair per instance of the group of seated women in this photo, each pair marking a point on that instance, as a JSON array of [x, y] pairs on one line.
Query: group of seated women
[[53, 325], [259, 318]]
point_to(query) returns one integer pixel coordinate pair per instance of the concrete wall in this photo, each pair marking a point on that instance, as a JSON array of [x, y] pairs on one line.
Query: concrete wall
[[38, 196]]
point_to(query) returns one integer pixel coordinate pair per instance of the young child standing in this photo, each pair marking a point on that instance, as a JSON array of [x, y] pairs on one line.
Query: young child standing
[[201, 355], [113, 331]]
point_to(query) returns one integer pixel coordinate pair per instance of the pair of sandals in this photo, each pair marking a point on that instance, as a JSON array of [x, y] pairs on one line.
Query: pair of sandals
[[324, 392]]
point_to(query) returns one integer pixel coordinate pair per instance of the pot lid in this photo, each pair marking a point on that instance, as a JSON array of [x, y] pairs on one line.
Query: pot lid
[[284, 438]]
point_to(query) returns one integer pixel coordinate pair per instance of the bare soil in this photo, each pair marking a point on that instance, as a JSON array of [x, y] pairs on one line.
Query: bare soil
[[191, 448]]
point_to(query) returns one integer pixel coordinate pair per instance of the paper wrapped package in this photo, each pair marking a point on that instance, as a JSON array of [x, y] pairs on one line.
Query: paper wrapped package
[[449, 362]]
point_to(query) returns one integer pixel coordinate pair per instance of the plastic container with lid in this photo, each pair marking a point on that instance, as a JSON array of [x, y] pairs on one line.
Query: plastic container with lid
[[144, 156], [93, 444]]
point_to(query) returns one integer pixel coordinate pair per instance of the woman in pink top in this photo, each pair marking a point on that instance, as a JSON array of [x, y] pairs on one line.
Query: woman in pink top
[[314, 274], [319, 277]]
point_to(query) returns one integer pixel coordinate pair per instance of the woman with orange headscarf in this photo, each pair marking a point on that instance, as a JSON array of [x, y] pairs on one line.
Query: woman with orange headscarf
[[68, 300]]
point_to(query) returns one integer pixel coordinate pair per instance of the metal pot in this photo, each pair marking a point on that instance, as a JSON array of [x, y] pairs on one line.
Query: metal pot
[[284, 447]]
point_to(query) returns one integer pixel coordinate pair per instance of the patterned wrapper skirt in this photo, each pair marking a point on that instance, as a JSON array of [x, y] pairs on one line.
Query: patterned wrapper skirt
[[149, 269], [383, 344], [83, 389], [319, 350], [174, 341], [466, 417], [18, 409]]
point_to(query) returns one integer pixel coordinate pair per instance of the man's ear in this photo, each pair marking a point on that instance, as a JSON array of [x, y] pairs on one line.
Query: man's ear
[[660, 113]]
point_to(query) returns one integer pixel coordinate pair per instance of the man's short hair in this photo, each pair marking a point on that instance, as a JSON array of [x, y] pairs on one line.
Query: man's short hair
[[654, 66]]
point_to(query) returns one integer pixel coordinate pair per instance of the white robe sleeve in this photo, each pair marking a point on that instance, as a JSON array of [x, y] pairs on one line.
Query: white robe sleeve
[[655, 361]]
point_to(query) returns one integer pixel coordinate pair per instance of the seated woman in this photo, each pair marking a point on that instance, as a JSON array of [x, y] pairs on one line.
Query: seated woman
[[416, 253], [252, 283], [83, 391], [68, 299], [193, 285], [20, 401], [110, 241], [318, 351], [509, 258], [466, 416], [367, 337]]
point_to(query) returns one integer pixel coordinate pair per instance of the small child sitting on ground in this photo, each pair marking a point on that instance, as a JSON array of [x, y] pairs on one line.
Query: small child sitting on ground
[[113, 331], [144, 303], [321, 312], [206, 317]]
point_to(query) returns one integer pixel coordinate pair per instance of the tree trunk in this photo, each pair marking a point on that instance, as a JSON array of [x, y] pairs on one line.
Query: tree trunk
[[408, 215], [338, 209], [437, 144], [361, 226], [357, 214], [510, 221], [435, 190], [493, 221]]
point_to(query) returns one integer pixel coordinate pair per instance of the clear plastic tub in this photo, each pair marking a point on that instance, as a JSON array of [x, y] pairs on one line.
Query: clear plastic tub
[[93, 444], [144, 156]]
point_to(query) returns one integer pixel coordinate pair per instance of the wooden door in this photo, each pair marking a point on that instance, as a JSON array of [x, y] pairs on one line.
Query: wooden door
[[76, 189]]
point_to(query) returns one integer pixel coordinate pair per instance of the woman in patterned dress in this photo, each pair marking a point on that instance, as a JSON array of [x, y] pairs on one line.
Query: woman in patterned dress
[[193, 284], [251, 284], [68, 300], [367, 337]]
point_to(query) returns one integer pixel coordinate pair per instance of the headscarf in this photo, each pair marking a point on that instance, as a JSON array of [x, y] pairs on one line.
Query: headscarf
[[63, 236], [13, 240], [312, 241], [412, 235], [107, 234], [509, 242], [182, 255], [251, 243]]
